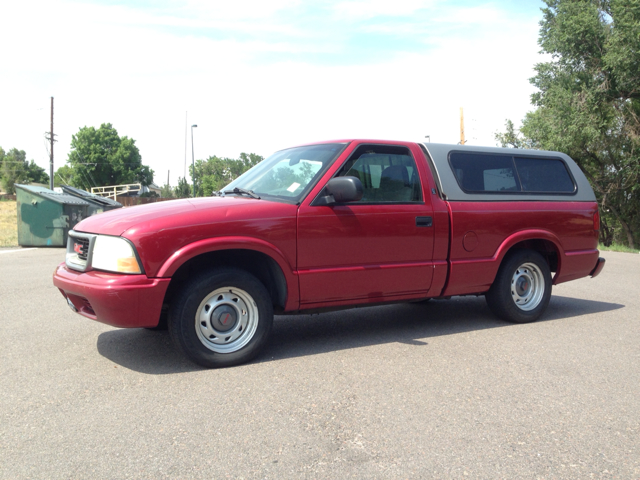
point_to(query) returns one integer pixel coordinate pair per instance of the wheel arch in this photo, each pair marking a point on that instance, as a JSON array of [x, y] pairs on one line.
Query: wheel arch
[[264, 262], [476, 275], [541, 241]]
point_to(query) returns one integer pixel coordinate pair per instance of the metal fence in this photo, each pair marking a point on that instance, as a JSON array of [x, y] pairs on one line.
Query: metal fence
[[132, 201]]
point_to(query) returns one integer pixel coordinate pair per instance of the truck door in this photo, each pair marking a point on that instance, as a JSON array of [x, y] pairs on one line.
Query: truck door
[[376, 249]]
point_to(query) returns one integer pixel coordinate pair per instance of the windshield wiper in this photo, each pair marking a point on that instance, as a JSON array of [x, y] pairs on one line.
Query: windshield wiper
[[244, 191]]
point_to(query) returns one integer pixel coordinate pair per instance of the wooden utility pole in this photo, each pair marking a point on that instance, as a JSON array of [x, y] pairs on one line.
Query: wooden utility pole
[[51, 139], [462, 140], [186, 115]]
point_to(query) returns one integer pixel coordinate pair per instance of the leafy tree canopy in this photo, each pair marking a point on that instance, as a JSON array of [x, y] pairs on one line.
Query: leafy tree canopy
[[588, 103], [167, 192], [14, 168], [63, 176], [215, 173], [101, 158], [183, 190]]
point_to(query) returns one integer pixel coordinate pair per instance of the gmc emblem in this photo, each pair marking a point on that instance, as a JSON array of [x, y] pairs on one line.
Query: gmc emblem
[[77, 247]]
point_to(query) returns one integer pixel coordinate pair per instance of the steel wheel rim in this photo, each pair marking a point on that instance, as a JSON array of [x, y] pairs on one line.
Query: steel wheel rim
[[527, 286], [219, 306]]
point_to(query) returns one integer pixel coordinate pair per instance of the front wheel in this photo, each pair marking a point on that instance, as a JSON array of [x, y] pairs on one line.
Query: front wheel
[[522, 288], [221, 319]]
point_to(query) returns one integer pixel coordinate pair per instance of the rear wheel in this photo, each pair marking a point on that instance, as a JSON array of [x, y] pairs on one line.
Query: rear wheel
[[522, 288], [221, 319]]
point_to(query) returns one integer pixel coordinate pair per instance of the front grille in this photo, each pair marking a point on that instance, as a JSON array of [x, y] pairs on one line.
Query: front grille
[[81, 247]]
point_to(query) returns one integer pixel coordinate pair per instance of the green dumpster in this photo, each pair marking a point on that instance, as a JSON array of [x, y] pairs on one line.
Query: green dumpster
[[45, 217], [97, 204]]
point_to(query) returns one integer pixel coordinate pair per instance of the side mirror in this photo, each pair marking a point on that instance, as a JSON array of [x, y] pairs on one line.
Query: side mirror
[[341, 190]]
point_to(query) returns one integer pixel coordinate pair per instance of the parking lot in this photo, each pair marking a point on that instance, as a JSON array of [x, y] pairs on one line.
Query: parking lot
[[440, 390]]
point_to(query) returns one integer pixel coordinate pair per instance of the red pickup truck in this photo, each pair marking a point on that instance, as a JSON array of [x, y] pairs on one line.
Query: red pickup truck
[[335, 225]]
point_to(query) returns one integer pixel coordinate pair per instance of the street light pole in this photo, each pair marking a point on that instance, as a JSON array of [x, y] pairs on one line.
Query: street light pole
[[193, 164]]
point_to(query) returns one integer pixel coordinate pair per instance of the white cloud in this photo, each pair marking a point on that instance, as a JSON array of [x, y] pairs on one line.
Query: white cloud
[[364, 9], [245, 91]]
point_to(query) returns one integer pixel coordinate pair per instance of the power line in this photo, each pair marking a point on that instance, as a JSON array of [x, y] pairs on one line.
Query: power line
[[92, 179], [104, 163]]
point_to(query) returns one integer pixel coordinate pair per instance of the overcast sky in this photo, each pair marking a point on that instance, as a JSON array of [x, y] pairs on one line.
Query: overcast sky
[[261, 75]]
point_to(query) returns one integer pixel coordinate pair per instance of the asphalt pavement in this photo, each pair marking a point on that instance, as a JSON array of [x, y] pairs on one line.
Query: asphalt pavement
[[440, 390]]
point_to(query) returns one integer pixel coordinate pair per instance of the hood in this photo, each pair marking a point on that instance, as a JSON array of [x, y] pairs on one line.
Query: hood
[[159, 230], [170, 214]]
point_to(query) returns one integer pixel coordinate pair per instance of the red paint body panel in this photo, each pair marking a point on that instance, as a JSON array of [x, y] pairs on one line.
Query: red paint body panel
[[333, 256], [157, 234], [501, 225], [375, 250], [118, 300], [577, 265], [364, 253], [233, 243]]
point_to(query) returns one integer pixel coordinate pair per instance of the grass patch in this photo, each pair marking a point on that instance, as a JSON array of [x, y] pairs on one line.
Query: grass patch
[[8, 224], [616, 247]]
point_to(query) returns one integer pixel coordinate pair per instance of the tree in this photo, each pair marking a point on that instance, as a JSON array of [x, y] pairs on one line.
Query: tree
[[215, 173], [16, 169], [512, 138], [183, 190], [36, 174], [101, 158], [2, 155], [166, 191], [588, 103], [64, 176], [13, 170]]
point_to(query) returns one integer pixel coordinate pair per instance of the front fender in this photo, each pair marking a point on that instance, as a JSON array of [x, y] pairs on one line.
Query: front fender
[[186, 253]]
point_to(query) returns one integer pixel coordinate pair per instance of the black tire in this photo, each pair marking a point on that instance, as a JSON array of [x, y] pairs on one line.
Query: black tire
[[522, 288], [200, 311], [421, 302]]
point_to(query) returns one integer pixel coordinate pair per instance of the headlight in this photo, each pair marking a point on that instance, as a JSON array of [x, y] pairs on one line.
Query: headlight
[[114, 254]]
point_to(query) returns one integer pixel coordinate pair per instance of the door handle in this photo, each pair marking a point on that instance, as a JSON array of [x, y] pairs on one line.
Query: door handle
[[424, 222]]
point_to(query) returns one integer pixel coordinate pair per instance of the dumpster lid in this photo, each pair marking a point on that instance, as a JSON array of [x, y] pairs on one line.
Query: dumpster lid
[[53, 196], [76, 192]]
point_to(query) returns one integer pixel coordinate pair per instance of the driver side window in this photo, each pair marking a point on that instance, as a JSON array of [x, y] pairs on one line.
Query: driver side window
[[388, 174]]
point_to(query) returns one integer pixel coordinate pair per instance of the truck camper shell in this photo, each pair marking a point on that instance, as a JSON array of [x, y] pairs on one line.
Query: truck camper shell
[[563, 179]]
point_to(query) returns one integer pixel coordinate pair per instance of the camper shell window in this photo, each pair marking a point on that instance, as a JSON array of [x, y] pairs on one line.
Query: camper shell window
[[492, 173]]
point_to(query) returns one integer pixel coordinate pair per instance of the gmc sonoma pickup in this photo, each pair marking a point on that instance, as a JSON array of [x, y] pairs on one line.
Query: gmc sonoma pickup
[[335, 225]]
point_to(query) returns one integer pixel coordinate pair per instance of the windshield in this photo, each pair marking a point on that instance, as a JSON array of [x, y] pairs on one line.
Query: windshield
[[288, 174]]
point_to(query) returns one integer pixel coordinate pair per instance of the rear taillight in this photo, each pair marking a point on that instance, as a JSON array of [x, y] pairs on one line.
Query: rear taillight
[[596, 221]]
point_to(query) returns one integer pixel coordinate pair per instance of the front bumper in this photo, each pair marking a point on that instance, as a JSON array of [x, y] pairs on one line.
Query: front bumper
[[127, 301]]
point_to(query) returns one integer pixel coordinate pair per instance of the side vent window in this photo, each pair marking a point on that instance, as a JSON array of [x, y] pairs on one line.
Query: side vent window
[[544, 176]]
